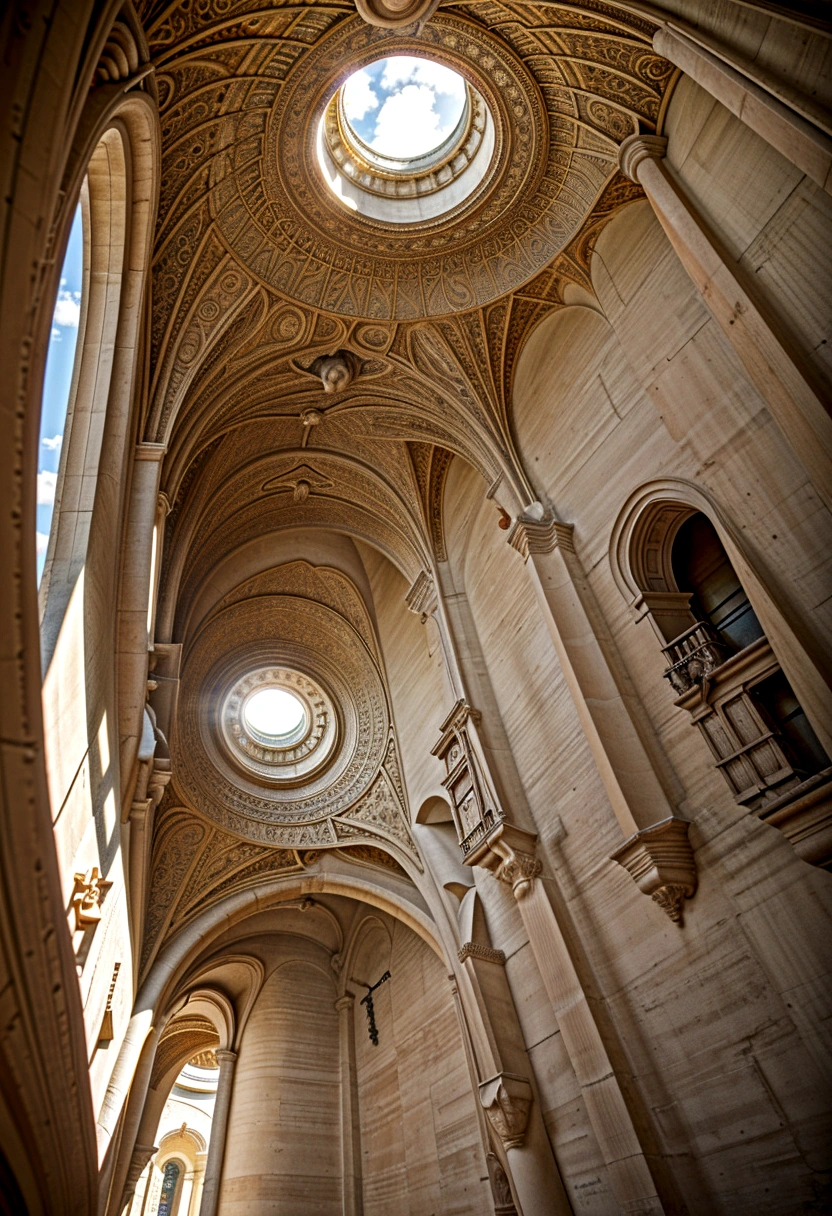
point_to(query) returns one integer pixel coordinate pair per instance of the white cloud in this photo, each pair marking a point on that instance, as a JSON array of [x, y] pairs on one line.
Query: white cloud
[[53, 444], [42, 541], [359, 97], [46, 488], [68, 309], [407, 124], [402, 69]]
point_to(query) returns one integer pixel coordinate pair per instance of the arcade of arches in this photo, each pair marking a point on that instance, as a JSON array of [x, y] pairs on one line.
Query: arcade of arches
[[415, 779]]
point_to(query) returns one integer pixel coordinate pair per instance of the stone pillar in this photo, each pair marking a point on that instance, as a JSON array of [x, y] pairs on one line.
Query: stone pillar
[[187, 1193], [527, 1152], [509, 854], [130, 1081], [798, 140], [219, 1127], [656, 852], [353, 1191], [791, 398]]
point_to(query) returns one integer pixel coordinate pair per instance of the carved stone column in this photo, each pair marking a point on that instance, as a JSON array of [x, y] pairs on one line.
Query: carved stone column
[[790, 396], [353, 1198], [227, 1061], [657, 853], [509, 853]]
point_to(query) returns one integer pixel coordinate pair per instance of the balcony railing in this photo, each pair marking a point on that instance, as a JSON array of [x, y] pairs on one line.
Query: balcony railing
[[693, 656]]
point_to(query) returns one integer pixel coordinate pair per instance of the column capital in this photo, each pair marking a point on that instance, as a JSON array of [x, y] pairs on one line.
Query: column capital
[[638, 148], [506, 1099], [225, 1056], [345, 1002], [529, 535]]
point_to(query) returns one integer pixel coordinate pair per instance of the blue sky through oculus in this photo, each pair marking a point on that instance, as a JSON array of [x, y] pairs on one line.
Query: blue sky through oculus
[[403, 106], [57, 379]]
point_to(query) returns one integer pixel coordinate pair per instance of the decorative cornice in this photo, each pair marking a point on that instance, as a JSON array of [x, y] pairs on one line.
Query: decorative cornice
[[637, 148], [486, 953]]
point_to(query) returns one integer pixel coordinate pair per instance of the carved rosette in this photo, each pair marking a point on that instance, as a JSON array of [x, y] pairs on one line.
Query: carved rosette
[[660, 860], [506, 1099]]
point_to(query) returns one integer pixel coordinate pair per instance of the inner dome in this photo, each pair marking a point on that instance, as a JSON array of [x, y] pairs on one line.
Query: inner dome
[[404, 107], [273, 712]]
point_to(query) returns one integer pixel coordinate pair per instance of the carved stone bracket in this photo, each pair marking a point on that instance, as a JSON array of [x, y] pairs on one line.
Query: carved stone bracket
[[537, 531], [661, 863], [421, 598], [508, 852], [506, 1099], [486, 953]]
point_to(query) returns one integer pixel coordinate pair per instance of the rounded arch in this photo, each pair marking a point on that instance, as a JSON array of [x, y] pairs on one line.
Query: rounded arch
[[639, 553], [116, 176]]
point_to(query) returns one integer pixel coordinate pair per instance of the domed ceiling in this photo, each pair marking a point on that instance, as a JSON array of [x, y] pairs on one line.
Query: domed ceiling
[[315, 365]]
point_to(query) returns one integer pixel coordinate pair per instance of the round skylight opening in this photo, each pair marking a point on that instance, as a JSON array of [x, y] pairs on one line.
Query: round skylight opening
[[274, 713], [403, 107]]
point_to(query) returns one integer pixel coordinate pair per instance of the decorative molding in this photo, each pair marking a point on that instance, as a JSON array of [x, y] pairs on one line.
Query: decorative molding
[[506, 1099], [660, 861], [396, 15], [637, 148], [476, 950]]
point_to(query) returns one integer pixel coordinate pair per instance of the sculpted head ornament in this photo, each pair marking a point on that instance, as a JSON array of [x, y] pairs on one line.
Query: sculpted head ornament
[[337, 371]]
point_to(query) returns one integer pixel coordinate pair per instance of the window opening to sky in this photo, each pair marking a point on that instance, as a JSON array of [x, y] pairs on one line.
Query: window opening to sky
[[274, 713], [404, 107], [60, 359]]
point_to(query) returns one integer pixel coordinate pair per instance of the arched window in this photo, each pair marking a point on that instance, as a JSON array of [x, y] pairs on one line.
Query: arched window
[[61, 362], [170, 1183], [726, 675]]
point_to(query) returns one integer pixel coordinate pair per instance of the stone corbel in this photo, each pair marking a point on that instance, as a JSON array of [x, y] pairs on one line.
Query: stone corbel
[[500, 1189], [660, 861], [506, 1099], [508, 852], [422, 598], [486, 953]]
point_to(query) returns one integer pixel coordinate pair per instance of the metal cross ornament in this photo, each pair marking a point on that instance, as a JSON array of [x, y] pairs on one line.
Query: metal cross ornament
[[371, 1013]]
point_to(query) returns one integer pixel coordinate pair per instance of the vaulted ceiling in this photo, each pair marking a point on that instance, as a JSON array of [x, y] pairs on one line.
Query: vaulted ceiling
[[260, 271]]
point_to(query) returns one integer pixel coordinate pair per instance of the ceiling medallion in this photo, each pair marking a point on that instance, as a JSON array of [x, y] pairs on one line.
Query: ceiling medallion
[[282, 759], [267, 789], [276, 213]]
